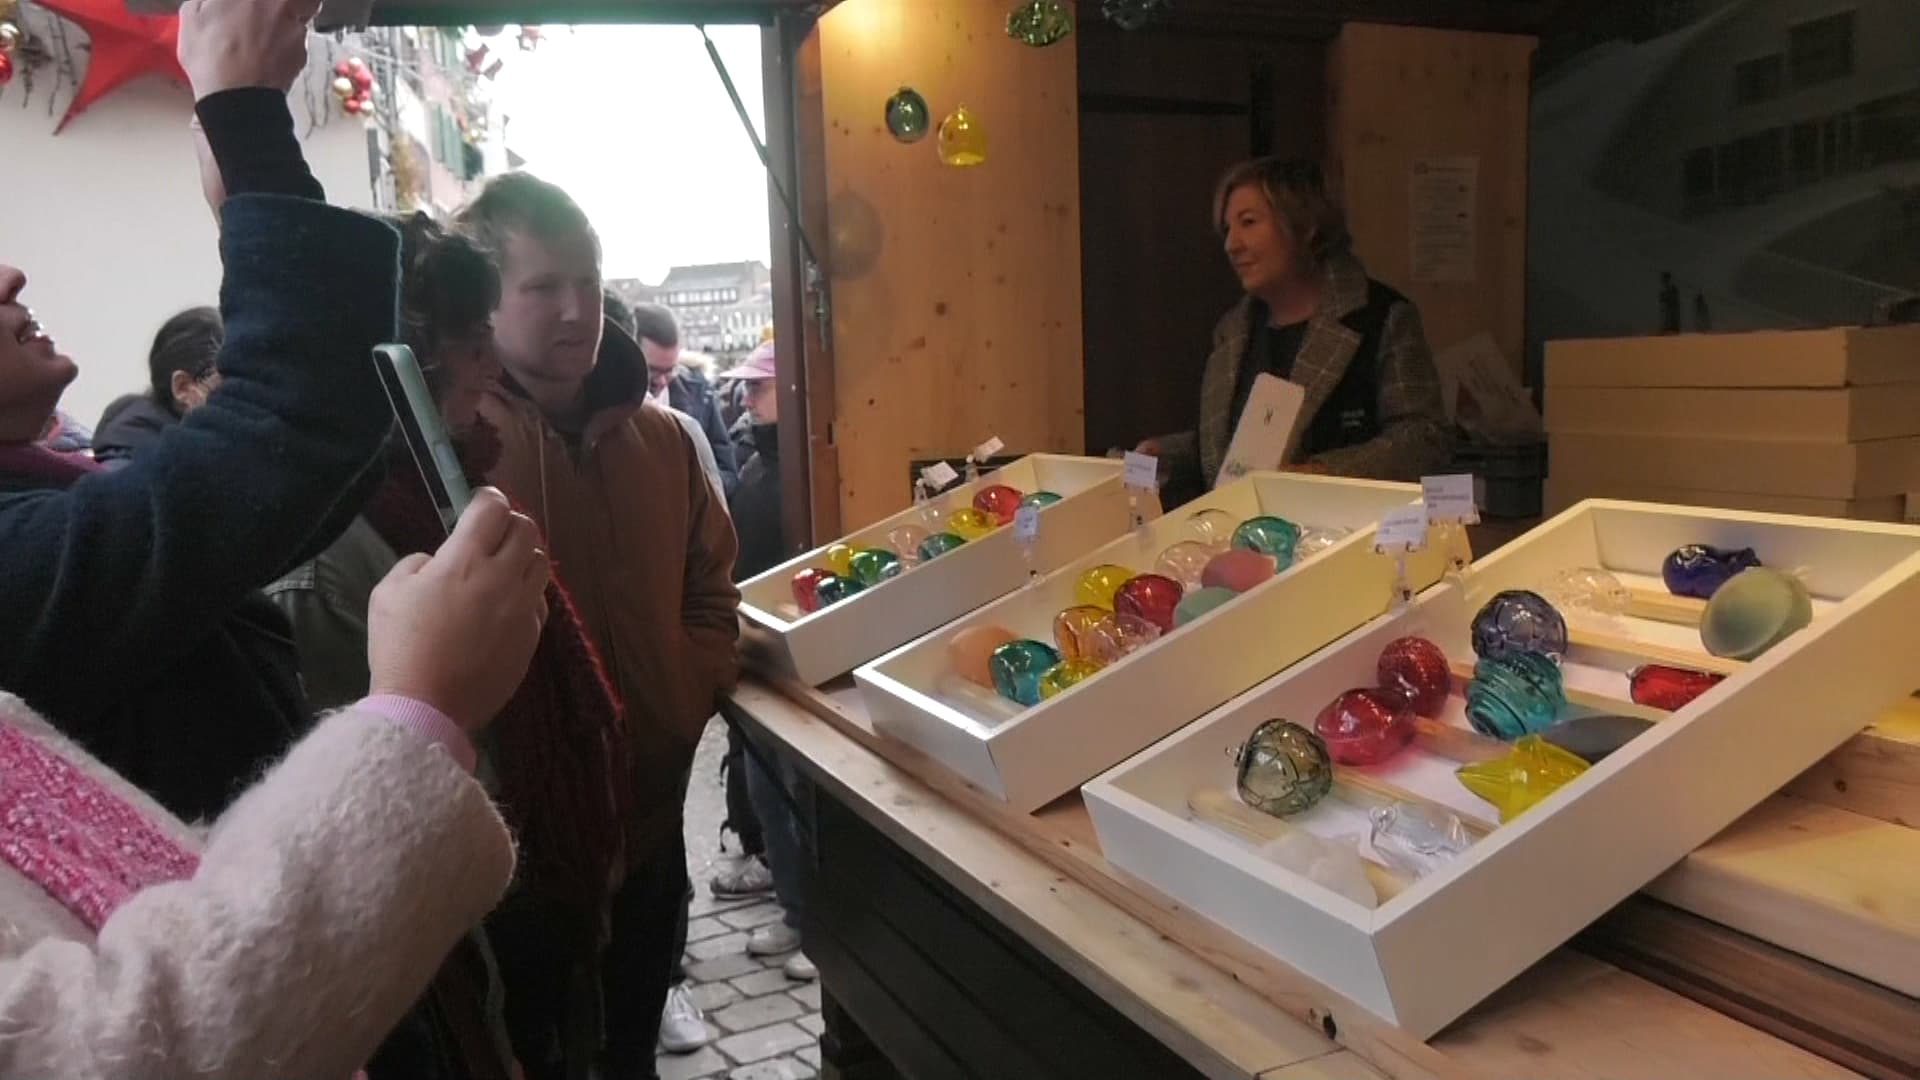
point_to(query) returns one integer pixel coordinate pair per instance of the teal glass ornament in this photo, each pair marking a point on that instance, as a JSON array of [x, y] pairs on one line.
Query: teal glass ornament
[[1199, 602], [833, 588], [939, 544], [1041, 499], [874, 565], [1269, 535], [908, 117], [1514, 694], [1017, 666]]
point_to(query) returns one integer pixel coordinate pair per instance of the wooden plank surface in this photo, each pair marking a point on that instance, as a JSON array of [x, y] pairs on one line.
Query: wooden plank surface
[[1569, 1016]]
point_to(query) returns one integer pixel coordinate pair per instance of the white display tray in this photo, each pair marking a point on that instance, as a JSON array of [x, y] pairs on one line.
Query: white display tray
[[1094, 507], [1427, 955], [1029, 757]]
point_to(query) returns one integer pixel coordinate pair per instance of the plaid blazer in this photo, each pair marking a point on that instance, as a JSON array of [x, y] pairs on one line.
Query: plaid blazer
[[1415, 439]]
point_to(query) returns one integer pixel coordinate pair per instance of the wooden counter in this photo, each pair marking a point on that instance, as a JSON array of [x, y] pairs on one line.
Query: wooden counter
[[965, 940]]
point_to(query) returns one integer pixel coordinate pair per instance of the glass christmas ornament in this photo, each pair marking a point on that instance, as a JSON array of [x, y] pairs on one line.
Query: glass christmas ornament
[[1513, 782], [1097, 586], [1417, 668], [908, 116], [1184, 562], [1519, 621], [1698, 570], [1073, 631], [1199, 602], [1131, 14], [963, 142], [1588, 588], [833, 588], [971, 523], [1152, 597], [969, 650], [805, 584], [1041, 499], [998, 502], [1753, 612], [1365, 726], [1239, 570], [1116, 636], [1313, 541], [1268, 535], [939, 544], [839, 559], [1213, 528], [1513, 694], [1065, 675], [1333, 864], [1039, 23], [906, 541], [1416, 839], [874, 565], [1669, 688], [1017, 667], [1592, 738], [1283, 769]]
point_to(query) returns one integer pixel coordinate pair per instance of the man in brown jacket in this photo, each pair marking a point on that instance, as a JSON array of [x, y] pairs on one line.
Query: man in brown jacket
[[641, 537]]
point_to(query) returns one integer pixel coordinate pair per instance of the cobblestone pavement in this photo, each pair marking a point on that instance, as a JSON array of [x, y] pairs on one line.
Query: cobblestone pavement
[[765, 1026]]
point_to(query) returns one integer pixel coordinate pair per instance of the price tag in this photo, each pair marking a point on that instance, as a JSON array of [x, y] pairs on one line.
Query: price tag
[[938, 475], [1026, 524], [1402, 529], [985, 451], [1450, 499], [1143, 471]]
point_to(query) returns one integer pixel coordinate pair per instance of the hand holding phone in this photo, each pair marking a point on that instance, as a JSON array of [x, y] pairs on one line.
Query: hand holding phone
[[425, 430]]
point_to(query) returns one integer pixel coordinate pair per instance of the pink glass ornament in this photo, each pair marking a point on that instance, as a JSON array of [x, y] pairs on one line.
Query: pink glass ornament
[[1115, 636], [1238, 569], [1417, 667], [1365, 727], [969, 650], [998, 502], [1152, 597]]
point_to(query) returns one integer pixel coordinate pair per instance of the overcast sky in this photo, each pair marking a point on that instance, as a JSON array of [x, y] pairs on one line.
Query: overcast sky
[[634, 122]]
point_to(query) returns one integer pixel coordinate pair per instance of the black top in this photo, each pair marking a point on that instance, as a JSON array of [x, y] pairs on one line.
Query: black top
[[1351, 414], [755, 503]]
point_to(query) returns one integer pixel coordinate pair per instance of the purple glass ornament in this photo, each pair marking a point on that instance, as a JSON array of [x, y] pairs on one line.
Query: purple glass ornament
[[1519, 621], [1698, 570]]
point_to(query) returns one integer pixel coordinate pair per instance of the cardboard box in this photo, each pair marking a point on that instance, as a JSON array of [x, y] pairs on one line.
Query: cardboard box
[[1563, 493], [1424, 957], [1095, 506], [1849, 414], [1758, 466], [1834, 356], [1028, 757]]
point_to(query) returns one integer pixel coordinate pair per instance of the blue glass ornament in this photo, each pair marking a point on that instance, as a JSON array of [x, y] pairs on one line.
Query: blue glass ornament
[[1514, 694], [1017, 666], [833, 588], [908, 118], [1698, 570], [939, 544], [1519, 621], [1269, 535]]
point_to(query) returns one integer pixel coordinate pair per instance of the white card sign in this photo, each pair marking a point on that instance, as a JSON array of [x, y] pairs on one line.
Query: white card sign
[[1402, 529], [1269, 428], [1450, 499], [1142, 471], [1026, 524], [938, 475], [986, 450]]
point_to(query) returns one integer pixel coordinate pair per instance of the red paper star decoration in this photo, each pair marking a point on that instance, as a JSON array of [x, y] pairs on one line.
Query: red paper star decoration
[[125, 47]]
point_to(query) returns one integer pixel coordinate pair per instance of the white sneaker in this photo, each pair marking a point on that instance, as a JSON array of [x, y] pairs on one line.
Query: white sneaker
[[749, 877], [773, 939], [799, 968], [683, 1029]]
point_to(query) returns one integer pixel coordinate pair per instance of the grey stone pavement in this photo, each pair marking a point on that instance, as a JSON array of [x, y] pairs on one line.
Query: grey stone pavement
[[765, 1026]]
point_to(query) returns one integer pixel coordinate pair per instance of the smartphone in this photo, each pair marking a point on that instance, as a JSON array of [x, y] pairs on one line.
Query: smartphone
[[425, 431]]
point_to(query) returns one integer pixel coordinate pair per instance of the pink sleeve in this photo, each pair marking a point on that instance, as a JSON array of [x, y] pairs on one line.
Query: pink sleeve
[[425, 721]]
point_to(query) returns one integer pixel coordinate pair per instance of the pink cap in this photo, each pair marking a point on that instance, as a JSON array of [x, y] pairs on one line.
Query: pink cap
[[757, 365]]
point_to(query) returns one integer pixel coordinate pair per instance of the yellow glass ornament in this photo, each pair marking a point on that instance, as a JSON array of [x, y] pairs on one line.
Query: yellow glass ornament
[[971, 524], [840, 560], [1065, 675], [1514, 781], [1097, 586], [963, 141]]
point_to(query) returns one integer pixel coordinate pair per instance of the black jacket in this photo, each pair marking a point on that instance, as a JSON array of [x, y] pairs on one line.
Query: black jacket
[[129, 606], [129, 426], [691, 393], [755, 504]]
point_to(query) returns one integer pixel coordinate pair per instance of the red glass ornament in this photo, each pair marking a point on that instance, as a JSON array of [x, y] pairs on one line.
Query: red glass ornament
[[1417, 668], [362, 78], [998, 502], [1670, 688], [806, 584], [1152, 597], [1365, 727], [6, 69]]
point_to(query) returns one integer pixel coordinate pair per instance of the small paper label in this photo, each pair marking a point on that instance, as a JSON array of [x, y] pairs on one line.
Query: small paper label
[[939, 475], [1026, 524], [1450, 499], [1143, 471], [1402, 529], [986, 450]]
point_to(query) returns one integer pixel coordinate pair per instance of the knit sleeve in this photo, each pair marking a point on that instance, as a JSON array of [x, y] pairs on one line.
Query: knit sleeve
[[325, 900]]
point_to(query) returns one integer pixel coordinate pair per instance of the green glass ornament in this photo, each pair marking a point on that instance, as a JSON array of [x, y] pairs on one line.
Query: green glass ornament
[[1042, 499], [1283, 769], [939, 544], [908, 117], [1039, 23], [833, 588], [874, 565]]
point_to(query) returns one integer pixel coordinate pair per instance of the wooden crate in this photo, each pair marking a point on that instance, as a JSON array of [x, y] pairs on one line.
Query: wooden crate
[[1831, 357]]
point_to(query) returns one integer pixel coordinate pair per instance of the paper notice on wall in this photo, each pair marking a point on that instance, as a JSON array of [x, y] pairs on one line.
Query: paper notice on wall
[[1445, 194]]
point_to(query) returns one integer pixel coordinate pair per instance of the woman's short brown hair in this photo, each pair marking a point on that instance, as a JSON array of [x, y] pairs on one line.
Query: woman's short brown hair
[[1298, 193]]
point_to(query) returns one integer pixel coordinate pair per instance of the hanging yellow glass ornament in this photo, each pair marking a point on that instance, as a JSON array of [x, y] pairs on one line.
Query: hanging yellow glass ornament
[[963, 142]]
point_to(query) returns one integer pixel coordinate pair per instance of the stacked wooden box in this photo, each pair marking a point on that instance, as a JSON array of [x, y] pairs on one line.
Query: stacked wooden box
[[1823, 422]]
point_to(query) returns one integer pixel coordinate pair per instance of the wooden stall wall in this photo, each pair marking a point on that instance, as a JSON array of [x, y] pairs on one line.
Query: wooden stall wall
[[956, 291], [1401, 96]]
